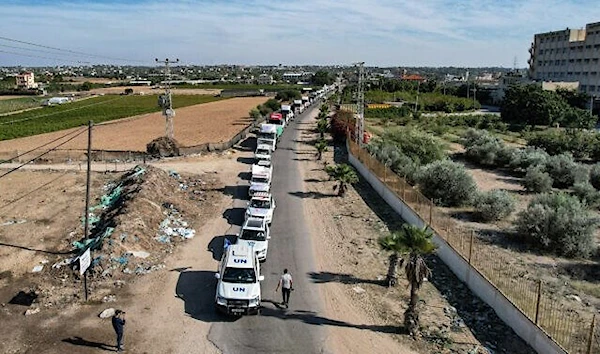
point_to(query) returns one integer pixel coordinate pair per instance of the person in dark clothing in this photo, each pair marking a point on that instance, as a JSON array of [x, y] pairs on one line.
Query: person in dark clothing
[[118, 322]]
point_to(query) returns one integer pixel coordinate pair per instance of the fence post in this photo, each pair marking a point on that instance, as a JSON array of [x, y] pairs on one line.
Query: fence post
[[430, 214], [537, 303], [591, 339], [471, 245]]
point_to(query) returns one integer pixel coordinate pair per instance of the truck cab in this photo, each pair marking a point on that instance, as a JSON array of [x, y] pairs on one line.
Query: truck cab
[[260, 180], [277, 119], [238, 281], [263, 152], [268, 136], [255, 234]]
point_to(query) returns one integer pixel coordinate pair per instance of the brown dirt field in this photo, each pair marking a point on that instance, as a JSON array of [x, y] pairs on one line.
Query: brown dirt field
[[96, 80], [11, 97], [149, 90], [212, 122]]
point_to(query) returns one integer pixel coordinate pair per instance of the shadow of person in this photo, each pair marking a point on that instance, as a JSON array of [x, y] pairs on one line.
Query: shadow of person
[[86, 343]]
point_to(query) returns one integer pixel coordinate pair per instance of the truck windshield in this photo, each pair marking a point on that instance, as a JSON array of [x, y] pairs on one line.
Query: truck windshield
[[267, 136], [260, 180], [262, 152], [261, 204], [276, 121], [252, 235], [239, 275]]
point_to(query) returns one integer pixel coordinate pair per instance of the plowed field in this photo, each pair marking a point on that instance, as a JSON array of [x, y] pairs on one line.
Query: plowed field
[[212, 122]]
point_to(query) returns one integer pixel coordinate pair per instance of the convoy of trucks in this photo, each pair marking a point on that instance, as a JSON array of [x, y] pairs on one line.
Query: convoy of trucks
[[238, 276]]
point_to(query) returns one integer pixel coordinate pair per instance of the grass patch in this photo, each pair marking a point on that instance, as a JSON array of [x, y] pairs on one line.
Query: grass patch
[[588, 288], [98, 109], [17, 104]]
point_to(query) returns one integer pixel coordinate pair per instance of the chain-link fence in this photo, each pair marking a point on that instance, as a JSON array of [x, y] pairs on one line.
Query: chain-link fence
[[574, 331]]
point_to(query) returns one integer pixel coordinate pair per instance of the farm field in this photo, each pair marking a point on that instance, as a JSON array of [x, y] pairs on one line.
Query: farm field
[[16, 104], [98, 109], [194, 125], [150, 91]]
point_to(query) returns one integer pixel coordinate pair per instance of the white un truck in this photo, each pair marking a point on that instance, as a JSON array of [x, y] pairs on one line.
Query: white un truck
[[238, 281]]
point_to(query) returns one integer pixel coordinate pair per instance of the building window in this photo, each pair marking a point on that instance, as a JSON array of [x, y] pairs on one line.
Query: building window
[[564, 50], [563, 62], [586, 60], [571, 60], [594, 73], [570, 73], [595, 60], [583, 88], [592, 88], [579, 60], [557, 62]]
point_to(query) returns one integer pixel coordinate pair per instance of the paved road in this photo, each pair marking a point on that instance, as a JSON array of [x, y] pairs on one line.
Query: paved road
[[298, 329]]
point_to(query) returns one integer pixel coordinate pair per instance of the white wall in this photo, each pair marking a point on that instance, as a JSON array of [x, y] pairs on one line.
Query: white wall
[[478, 284]]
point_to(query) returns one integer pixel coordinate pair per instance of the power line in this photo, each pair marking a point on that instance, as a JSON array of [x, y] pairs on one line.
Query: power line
[[60, 112], [28, 49], [39, 147], [68, 50], [42, 57], [42, 154]]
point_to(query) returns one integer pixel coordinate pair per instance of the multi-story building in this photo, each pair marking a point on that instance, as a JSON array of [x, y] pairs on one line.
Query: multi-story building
[[570, 55], [25, 81]]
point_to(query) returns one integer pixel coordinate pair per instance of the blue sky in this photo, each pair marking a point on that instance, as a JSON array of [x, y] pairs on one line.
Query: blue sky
[[379, 32]]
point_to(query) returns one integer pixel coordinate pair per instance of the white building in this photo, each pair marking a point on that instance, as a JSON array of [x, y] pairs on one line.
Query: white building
[[264, 79], [25, 81], [570, 55]]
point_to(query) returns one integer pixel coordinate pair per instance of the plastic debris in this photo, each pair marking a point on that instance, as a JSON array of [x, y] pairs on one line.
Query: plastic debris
[[32, 311], [13, 222], [139, 254], [109, 312], [96, 260], [173, 225], [109, 298], [95, 242], [163, 239], [123, 236], [358, 290], [37, 268], [64, 262], [123, 260], [174, 174]]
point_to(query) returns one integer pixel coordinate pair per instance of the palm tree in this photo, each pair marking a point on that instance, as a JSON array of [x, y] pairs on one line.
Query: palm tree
[[321, 147], [416, 242], [322, 127], [324, 109], [391, 244], [344, 174]]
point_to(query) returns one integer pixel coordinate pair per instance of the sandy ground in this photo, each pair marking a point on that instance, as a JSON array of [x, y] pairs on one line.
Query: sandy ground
[[149, 90], [209, 122]]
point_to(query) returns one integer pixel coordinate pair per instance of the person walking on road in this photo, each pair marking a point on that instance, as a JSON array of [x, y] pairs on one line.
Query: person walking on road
[[287, 285], [118, 322]]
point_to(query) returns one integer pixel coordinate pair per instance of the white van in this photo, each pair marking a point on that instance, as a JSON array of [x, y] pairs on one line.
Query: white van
[[255, 234], [238, 281]]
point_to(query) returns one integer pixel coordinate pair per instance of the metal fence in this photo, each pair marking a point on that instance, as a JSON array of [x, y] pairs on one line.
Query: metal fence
[[575, 332]]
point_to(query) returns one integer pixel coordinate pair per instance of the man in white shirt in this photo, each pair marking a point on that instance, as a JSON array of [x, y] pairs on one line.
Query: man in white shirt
[[287, 285]]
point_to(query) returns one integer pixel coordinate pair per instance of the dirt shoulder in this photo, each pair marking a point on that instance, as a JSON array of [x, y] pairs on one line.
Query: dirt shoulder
[[353, 269]]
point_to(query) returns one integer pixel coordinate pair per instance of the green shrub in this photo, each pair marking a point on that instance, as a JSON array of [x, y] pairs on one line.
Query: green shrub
[[406, 168], [421, 147], [560, 223], [537, 181], [595, 176], [578, 142], [473, 137], [562, 168], [494, 205], [522, 159], [447, 183], [587, 194]]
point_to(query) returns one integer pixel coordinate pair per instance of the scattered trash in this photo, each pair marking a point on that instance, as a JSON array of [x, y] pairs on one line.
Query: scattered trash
[[574, 297], [13, 222], [64, 262], [96, 260], [95, 242], [139, 254], [109, 298], [127, 271], [32, 311], [123, 260], [174, 174], [358, 290], [37, 268], [173, 225], [109, 312], [123, 236], [163, 239], [140, 269]]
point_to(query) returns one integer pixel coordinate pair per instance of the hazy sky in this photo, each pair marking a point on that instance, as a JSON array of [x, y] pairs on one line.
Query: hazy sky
[[379, 32]]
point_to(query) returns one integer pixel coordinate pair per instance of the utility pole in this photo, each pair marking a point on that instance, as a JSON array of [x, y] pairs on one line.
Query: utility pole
[[165, 102], [86, 228], [360, 104]]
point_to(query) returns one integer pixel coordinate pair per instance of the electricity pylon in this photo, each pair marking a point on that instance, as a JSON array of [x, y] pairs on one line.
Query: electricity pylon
[[360, 104], [165, 102]]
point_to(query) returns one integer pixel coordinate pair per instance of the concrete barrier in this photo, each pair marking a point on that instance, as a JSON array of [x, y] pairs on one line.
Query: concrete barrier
[[479, 285]]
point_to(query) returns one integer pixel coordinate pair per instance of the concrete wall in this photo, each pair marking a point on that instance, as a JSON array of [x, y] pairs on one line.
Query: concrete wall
[[478, 284]]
